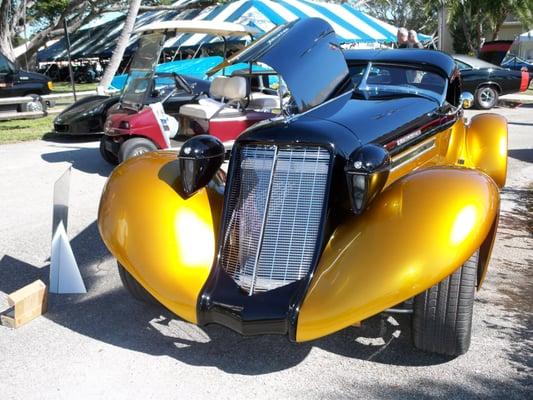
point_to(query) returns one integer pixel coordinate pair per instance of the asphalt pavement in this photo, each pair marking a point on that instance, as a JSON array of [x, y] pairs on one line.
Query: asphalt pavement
[[104, 344]]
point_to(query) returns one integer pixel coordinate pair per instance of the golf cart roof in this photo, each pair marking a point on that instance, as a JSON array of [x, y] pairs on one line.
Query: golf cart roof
[[198, 26]]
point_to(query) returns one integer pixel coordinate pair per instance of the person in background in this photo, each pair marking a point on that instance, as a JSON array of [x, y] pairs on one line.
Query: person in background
[[402, 38], [412, 40]]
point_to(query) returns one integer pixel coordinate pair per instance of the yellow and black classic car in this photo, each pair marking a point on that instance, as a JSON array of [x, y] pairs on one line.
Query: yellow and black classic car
[[368, 193]]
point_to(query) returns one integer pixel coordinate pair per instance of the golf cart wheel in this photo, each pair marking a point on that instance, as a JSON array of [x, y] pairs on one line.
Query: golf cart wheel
[[135, 147], [442, 315], [486, 97], [133, 287], [107, 155], [36, 105]]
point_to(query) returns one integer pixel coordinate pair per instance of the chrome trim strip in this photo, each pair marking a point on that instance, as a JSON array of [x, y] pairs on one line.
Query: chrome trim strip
[[413, 153]]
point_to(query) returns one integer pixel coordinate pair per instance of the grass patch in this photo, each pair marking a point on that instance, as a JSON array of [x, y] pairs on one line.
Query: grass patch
[[65, 87], [20, 130]]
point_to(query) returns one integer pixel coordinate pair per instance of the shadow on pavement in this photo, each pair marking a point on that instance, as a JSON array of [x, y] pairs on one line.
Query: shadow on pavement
[[83, 159], [57, 138], [525, 155], [108, 313]]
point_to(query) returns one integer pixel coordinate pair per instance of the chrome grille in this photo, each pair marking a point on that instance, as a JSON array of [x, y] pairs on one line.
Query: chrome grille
[[273, 214]]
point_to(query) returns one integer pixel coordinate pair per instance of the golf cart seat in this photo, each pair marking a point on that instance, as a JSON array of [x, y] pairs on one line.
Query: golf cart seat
[[225, 113], [262, 101], [223, 93]]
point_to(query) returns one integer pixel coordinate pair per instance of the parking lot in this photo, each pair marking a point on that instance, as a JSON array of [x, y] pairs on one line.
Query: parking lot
[[107, 345]]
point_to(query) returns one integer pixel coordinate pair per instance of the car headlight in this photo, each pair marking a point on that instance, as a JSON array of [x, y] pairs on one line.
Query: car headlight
[[50, 85], [124, 125], [367, 171]]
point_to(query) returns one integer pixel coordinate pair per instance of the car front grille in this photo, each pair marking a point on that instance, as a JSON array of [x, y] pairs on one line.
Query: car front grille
[[61, 128], [273, 214]]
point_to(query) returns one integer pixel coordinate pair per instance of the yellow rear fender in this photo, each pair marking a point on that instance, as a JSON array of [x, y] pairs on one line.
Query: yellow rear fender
[[414, 234], [166, 242]]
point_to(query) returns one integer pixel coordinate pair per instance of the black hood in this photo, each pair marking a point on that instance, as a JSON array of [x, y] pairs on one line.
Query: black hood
[[85, 106], [34, 76], [306, 54]]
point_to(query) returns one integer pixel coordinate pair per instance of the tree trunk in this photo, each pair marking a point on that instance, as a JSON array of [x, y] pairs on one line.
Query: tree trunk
[[6, 47], [120, 47]]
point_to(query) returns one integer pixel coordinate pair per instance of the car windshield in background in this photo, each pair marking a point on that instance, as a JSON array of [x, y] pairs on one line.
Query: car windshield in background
[[382, 81]]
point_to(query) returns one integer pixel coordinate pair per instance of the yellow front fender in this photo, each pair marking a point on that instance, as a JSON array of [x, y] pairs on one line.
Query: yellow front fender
[[166, 242], [417, 232]]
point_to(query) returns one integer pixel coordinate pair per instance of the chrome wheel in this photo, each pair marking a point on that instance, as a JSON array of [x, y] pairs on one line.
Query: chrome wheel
[[35, 106], [487, 97], [139, 151]]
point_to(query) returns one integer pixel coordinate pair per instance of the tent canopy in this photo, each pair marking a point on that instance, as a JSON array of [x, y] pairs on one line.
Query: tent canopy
[[350, 25]]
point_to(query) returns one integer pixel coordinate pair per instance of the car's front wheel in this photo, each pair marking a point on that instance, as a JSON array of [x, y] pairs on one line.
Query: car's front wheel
[[442, 315], [135, 147], [133, 287], [486, 97], [107, 155]]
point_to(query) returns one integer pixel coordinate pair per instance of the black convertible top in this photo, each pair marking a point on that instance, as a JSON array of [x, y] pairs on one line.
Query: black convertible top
[[433, 58]]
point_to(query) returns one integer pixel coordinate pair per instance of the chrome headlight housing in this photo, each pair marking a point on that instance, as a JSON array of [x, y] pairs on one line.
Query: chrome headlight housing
[[367, 171]]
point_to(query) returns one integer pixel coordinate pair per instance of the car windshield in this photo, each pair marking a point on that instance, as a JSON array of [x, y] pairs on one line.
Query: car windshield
[[142, 69], [383, 80]]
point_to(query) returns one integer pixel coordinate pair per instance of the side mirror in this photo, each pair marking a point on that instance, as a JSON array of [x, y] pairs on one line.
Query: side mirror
[[200, 157], [466, 100], [367, 171]]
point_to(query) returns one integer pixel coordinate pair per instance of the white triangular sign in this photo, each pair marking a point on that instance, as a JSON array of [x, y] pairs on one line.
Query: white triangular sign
[[65, 275]]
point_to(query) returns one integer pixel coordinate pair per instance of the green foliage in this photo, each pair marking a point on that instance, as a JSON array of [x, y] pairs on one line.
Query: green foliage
[[47, 10], [472, 20], [420, 15]]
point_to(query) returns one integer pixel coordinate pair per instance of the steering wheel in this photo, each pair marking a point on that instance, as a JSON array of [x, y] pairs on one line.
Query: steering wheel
[[182, 83]]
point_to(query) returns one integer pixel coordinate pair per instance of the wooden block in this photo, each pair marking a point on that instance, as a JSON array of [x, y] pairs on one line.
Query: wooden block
[[27, 303]]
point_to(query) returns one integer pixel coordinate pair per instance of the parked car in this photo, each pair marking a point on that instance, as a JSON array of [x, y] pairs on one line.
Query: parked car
[[369, 193], [488, 81], [15, 82], [85, 116]]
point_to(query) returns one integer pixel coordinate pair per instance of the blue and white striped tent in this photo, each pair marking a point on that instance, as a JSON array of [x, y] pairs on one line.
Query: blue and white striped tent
[[350, 24]]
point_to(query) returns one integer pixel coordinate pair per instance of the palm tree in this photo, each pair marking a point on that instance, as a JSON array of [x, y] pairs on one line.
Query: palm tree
[[120, 47]]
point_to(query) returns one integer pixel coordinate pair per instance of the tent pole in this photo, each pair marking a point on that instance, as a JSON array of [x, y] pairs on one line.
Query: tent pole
[[67, 42]]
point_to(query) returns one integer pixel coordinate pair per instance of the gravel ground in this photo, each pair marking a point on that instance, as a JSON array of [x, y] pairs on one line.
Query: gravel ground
[[106, 345]]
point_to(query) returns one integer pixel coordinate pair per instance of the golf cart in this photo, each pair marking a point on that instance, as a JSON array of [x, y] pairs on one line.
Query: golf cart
[[143, 125]]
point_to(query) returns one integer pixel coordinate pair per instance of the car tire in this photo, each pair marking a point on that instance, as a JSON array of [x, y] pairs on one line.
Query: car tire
[[486, 97], [442, 315], [37, 104], [133, 287], [135, 147], [107, 155]]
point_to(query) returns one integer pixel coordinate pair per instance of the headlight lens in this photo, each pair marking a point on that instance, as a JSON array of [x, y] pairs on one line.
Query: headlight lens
[[124, 125], [50, 85]]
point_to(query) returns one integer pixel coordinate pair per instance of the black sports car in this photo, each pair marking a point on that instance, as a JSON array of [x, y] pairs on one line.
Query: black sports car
[[488, 81], [88, 115]]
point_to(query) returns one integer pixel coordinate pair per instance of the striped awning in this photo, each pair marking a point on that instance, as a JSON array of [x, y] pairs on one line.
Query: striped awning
[[350, 24]]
